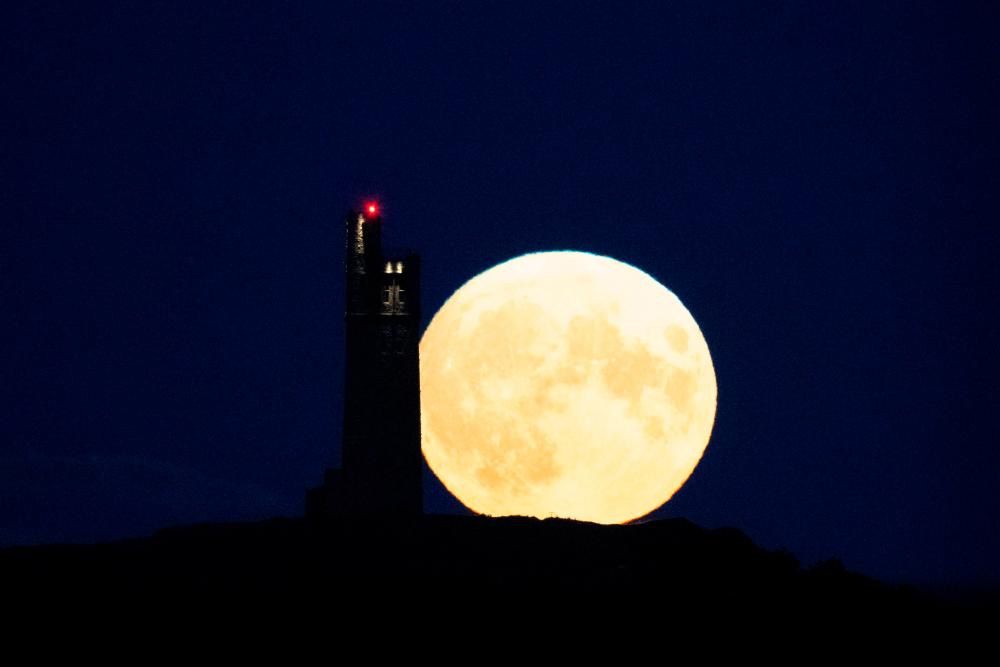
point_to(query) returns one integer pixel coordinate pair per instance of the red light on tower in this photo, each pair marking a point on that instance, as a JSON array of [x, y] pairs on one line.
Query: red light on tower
[[372, 208]]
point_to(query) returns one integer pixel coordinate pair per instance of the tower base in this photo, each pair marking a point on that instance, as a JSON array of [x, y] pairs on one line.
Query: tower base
[[340, 495]]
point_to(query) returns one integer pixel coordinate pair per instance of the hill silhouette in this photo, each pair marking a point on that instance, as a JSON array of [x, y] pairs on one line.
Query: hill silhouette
[[444, 558]]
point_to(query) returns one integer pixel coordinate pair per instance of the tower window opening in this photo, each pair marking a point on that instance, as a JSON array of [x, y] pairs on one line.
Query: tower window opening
[[392, 300]]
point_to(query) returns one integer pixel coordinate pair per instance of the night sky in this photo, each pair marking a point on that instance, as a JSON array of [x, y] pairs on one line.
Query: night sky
[[817, 184]]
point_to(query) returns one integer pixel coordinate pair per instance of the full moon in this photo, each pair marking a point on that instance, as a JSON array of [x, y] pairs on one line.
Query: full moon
[[565, 384]]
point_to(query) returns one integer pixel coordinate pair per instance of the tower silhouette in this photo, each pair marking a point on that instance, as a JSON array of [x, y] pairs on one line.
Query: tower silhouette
[[381, 461]]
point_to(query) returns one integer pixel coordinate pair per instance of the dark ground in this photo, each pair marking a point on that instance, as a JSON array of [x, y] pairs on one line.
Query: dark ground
[[453, 561]]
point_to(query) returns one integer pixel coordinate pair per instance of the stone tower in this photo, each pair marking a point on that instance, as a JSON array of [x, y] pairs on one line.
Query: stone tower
[[381, 461]]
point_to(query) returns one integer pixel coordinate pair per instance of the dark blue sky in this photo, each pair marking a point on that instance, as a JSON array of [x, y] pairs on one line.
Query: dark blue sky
[[818, 185]]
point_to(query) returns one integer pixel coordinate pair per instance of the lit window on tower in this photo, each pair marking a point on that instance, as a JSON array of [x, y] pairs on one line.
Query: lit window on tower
[[392, 299]]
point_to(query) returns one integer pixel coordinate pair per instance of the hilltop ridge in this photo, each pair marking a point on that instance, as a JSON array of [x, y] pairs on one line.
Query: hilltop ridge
[[450, 558]]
